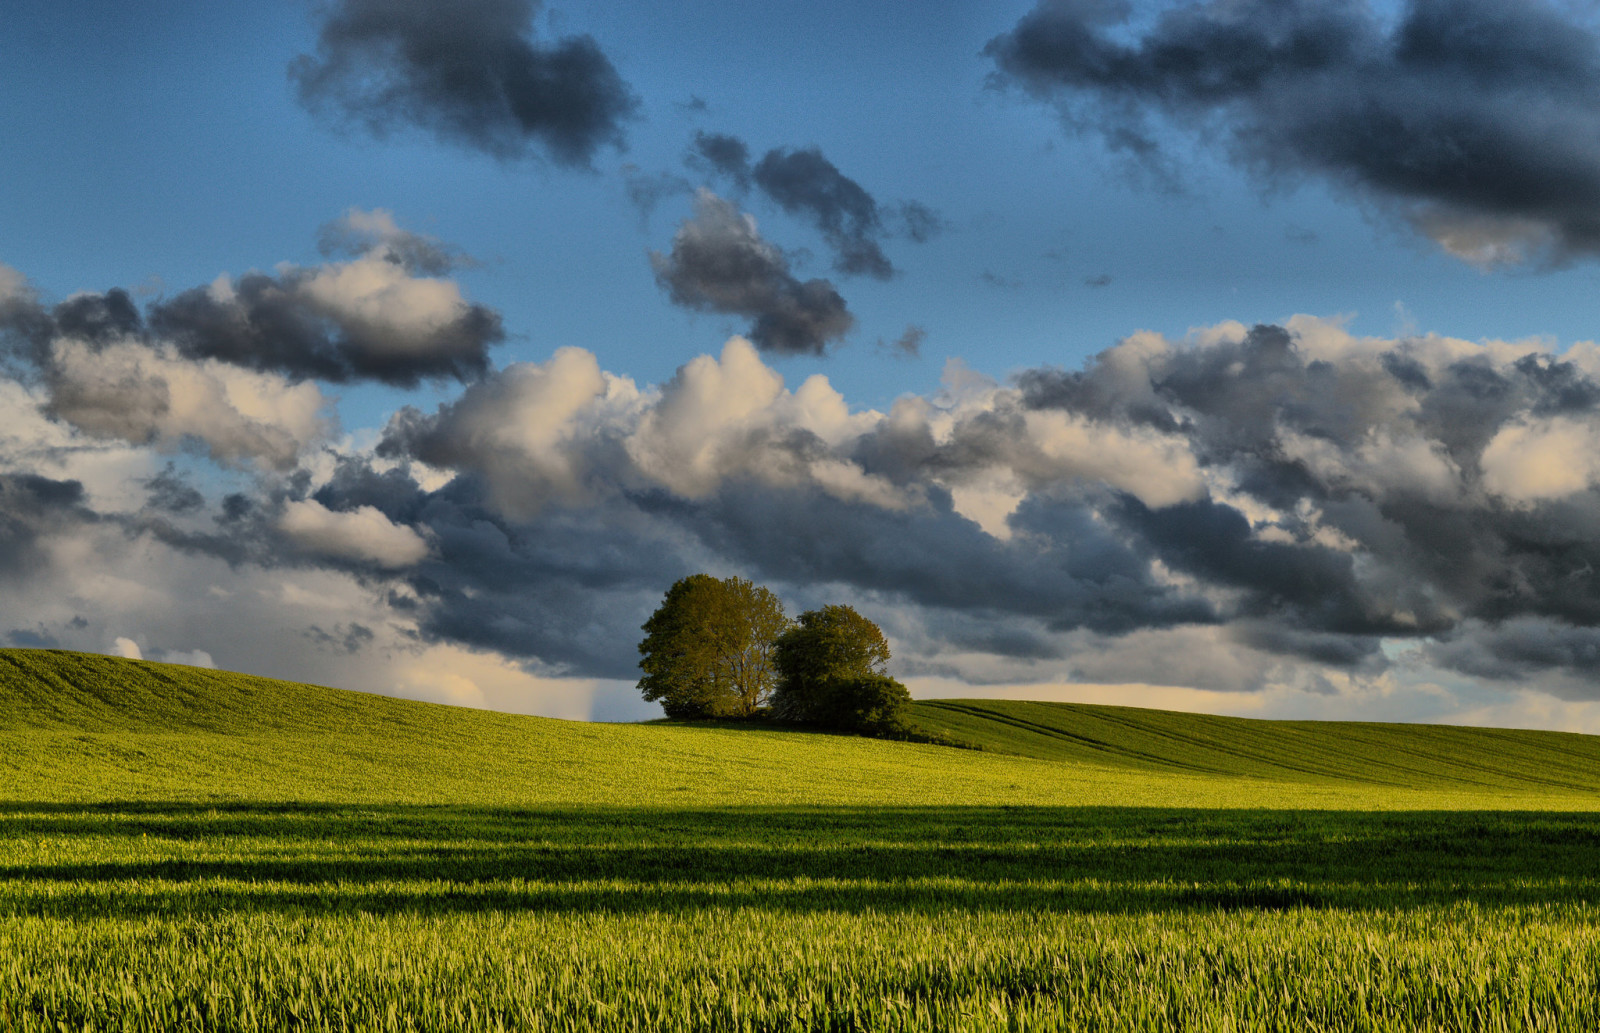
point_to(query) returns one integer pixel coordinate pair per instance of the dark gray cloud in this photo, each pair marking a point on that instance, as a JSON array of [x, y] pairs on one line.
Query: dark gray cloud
[[471, 73], [168, 492], [98, 317], [720, 263], [1524, 649], [270, 323], [343, 638], [31, 508], [385, 315], [1456, 485], [806, 184], [1478, 120], [720, 154], [803, 182]]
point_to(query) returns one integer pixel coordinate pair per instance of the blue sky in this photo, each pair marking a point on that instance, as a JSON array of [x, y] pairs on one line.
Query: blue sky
[[157, 147]]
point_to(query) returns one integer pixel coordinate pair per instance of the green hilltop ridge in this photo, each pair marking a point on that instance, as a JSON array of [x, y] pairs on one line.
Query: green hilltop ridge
[[78, 727]]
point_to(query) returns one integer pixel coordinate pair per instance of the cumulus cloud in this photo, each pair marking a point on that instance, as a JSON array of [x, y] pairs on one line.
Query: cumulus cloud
[[1272, 509], [470, 73], [719, 262], [357, 233], [361, 535], [1476, 120], [368, 318], [152, 396], [1311, 497], [377, 316]]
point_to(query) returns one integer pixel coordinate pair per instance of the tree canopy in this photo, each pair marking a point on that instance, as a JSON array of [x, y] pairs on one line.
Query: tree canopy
[[707, 650], [832, 671], [724, 648]]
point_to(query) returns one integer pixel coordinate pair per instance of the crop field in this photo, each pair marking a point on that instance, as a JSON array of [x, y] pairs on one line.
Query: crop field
[[190, 849]]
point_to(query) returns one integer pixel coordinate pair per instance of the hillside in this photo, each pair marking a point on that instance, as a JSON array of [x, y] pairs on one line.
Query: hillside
[[1289, 751], [81, 727]]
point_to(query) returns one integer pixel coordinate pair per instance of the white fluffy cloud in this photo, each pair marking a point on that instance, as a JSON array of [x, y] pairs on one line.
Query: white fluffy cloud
[[1537, 459], [362, 535], [149, 396], [563, 430]]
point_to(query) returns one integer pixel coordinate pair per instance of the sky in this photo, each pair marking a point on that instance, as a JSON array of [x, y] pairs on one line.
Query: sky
[[1234, 356]]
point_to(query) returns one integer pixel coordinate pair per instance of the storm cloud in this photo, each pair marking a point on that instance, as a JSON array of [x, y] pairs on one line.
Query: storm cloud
[[1476, 121], [719, 262], [470, 73]]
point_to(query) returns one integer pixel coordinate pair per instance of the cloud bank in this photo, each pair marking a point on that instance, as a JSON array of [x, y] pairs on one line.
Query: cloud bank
[[1273, 511]]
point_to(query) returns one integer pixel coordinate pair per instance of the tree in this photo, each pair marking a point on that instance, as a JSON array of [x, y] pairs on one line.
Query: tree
[[707, 650], [831, 672]]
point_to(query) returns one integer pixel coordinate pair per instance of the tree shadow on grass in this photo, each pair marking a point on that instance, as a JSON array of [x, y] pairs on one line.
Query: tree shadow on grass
[[129, 859]]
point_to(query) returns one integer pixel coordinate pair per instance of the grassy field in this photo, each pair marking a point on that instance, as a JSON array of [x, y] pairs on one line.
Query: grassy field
[[190, 849]]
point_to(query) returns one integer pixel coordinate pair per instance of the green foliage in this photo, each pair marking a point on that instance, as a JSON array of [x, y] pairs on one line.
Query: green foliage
[[831, 673], [707, 650], [188, 849]]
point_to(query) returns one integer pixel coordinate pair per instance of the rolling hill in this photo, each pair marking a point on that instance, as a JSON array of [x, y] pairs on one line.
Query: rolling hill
[[77, 727], [1290, 751]]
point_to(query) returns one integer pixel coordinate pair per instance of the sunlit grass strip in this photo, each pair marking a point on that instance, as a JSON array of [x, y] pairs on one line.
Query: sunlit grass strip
[[1462, 968]]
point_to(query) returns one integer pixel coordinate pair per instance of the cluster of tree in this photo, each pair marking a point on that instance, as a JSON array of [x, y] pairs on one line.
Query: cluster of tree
[[725, 648]]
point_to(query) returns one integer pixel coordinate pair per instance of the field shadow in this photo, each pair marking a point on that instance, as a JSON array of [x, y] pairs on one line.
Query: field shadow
[[129, 859]]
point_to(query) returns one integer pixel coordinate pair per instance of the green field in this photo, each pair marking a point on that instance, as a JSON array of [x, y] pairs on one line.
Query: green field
[[182, 848]]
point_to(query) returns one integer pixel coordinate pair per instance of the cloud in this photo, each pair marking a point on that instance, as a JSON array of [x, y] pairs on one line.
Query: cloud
[[365, 319], [1316, 500], [373, 317], [1289, 511], [909, 344], [1538, 459], [647, 191], [1475, 120], [469, 73], [720, 263], [361, 535], [375, 233], [153, 396], [722, 155], [919, 222], [805, 183]]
